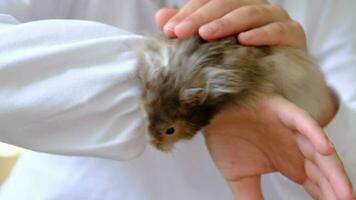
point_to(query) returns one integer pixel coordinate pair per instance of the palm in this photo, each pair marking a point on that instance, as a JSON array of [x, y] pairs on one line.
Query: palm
[[246, 144]]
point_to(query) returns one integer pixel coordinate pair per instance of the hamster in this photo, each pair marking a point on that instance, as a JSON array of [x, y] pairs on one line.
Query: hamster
[[186, 82]]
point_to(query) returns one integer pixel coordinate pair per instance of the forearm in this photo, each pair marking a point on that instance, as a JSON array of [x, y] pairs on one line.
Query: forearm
[[67, 87]]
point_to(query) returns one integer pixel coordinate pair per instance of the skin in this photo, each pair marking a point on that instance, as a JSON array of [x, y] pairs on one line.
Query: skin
[[259, 22], [280, 136]]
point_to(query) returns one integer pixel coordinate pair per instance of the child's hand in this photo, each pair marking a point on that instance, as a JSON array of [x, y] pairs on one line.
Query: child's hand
[[255, 21], [275, 137]]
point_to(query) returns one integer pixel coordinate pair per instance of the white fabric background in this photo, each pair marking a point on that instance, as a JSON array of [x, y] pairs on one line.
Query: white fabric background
[[75, 76]]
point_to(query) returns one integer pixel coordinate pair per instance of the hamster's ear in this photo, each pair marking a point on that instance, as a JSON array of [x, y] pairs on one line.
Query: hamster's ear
[[193, 96]]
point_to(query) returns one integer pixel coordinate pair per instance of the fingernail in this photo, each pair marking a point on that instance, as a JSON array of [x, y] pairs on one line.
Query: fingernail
[[169, 28], [211, 28], [184, 28]]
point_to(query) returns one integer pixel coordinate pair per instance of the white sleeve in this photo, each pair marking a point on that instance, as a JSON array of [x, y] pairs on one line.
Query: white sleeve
[[334, 46], [68, 87]]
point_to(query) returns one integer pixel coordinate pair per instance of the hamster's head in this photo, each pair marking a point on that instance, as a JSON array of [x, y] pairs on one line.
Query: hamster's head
[[181, 88], [175, 115]]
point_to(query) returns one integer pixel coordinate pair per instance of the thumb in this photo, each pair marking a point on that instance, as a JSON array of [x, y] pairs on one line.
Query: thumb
[[248, 188], [163, 16]]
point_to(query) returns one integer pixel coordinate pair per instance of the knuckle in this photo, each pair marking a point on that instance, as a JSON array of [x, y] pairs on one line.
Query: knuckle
[[221, 23], [224, 4], [280, 10], [228, 4], [297, 25], [178, 17], [298, 28], [196, 18], [251, 11], [277, 8], [196, 1], [276, 33], [265, 33], [221, 1], [280, 29]]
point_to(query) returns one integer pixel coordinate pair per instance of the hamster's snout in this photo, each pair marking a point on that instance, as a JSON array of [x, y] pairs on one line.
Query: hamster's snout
[[162, 146]]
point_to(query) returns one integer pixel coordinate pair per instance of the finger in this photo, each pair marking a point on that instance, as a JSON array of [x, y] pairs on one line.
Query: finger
[[332, 167], [327, 167], [187, 10], [297, 119], [279, 33], [312, 189], [243, 19], [305, 147], [316, 177], [248, 188], [210, 11], [163, 15], [327, 192], [313, 172]]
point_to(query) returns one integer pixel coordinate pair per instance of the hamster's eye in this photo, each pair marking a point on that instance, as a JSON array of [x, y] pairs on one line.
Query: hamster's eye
[[170, 131]]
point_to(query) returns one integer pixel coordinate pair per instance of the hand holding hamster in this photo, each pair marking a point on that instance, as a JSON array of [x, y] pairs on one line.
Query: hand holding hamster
[[277, 137], [186, 83], [258, 23]]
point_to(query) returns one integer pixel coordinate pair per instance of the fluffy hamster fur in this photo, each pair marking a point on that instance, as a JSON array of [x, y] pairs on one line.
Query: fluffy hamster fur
[[185, 83]]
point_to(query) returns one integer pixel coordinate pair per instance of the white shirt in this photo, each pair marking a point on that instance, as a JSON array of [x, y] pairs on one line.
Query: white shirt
[[66, 87]]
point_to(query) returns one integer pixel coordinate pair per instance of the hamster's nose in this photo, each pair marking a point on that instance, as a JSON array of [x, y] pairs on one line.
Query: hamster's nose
[[165, 147], [155, 143]]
